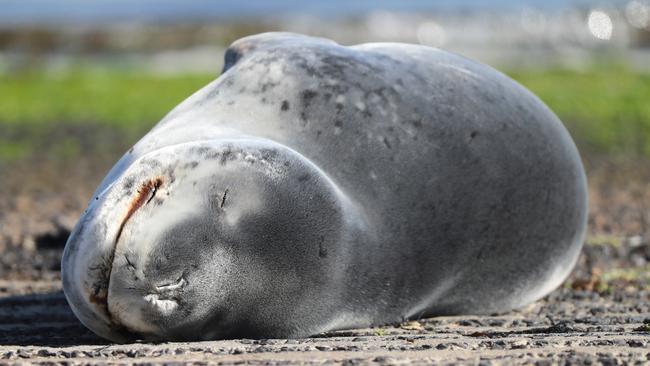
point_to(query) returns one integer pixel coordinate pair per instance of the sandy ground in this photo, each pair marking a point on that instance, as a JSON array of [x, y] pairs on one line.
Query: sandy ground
[[568, 326], [601, 315]]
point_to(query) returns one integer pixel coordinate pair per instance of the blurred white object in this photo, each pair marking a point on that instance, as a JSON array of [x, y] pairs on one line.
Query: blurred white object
[[600, 25]]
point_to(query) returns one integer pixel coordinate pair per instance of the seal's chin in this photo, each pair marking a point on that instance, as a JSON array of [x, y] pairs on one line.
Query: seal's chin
[[108, 293], [85, 271]]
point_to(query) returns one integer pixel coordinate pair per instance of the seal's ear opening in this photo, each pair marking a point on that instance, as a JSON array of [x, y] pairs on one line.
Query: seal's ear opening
[[231, 57], [248, 45]]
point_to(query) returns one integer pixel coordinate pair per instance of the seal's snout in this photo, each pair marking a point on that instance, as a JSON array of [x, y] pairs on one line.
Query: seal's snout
[[99, 273], [166, 297], [86, 268], [99, 256], [169, 287], [143, 305]]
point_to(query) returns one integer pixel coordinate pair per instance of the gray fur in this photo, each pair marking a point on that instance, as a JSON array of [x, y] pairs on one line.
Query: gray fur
[[371, 184]]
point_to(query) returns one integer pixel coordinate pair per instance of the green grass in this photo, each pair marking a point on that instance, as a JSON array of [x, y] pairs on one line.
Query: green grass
[[13, 150], [119, 99], [604, 240], [88, 112], [607, 109]]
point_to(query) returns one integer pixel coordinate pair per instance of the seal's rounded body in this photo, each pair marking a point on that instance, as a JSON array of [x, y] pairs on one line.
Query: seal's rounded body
[[314, 187]]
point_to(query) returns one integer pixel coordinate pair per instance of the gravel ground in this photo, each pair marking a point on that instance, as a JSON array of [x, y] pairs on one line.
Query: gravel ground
[[567, 326], [601, 315]]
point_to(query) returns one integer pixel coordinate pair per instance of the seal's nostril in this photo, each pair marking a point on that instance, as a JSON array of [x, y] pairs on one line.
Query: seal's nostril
[[179, 283], [164, 299]]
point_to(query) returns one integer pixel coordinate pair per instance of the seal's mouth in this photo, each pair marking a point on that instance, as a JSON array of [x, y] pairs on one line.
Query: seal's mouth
[[99, 294], [85, 272], [94, 280], [164, 298]]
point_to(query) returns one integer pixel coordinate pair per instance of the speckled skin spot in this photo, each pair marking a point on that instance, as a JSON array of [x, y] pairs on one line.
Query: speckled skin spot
[[314, 187]]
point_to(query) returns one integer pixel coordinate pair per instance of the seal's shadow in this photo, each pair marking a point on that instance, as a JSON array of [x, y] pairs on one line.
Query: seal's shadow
[[42, 319]]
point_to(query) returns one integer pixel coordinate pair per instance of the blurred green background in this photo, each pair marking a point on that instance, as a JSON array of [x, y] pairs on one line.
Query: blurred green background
[[85, 80], [81, 81], [607, 108]]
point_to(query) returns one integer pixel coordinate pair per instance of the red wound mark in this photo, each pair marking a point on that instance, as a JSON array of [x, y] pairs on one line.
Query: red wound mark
[[145, 194]]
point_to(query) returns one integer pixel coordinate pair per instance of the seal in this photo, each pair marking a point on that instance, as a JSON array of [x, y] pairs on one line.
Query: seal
[[314, 187]]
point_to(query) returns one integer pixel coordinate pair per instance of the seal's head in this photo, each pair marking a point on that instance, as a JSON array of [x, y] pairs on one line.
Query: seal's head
[[208, 240]]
